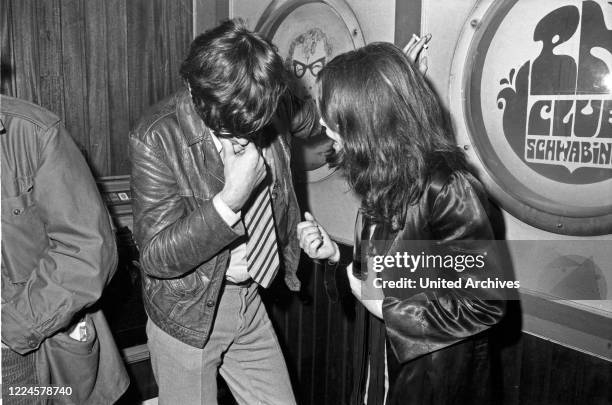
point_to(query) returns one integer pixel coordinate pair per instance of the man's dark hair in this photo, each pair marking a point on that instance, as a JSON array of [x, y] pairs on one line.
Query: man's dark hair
[[236, 79], [391, 125]]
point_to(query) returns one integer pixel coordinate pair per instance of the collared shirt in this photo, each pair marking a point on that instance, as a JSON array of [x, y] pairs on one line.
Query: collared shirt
[[237, 269]]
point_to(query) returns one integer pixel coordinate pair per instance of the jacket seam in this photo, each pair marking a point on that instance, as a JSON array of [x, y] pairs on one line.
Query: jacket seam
[[38, 124], [157, 120], [154, 151], [42, 146], [166, 318]]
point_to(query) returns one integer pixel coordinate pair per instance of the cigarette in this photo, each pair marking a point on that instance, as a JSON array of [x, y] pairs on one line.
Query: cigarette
[[418, 38]]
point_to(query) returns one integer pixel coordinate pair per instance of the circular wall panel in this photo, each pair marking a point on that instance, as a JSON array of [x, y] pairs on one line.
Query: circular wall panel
[[531, 89]]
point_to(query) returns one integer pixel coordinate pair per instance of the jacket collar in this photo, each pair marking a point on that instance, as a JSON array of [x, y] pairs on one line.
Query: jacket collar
[[192, 126], [194, 130]]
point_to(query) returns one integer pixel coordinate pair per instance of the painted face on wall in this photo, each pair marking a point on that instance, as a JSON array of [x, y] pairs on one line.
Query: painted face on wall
[[308, 53]]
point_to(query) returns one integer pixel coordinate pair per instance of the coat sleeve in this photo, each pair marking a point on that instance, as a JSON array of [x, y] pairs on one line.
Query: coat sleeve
[[433, 319], [81, 256], [172, 239]]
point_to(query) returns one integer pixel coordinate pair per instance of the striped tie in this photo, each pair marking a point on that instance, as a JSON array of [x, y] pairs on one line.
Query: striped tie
[[262, 250]]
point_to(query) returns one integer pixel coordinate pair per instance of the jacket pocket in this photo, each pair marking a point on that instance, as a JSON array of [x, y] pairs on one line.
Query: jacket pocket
[[24, 236], [72, 363], [187, 286]]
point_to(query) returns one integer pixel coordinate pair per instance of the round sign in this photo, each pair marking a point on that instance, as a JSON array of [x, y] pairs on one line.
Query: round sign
[[535, 91], [308, 34]]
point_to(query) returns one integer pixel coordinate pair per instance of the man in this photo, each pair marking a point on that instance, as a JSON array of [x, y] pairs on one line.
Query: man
[[215, 217], [58, 253]]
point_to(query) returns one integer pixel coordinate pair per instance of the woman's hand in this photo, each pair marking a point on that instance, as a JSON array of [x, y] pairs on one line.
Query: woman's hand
[[372, 305], [413, 51], [315, 241]]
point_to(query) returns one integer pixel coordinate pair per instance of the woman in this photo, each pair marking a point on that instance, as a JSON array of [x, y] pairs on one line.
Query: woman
[[423, 345]]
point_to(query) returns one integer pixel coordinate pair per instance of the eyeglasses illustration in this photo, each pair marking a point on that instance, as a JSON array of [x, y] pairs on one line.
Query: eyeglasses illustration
[[299, 69]]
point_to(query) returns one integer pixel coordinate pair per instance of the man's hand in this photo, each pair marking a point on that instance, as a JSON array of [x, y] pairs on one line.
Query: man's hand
[[243, 170], [315, 241], [414, 49]]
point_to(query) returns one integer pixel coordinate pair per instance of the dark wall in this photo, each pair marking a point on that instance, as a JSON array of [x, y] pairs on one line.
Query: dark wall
[[96, 64]]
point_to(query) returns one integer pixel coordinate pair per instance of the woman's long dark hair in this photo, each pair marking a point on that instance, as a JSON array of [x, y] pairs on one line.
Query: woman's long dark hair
[[391, 125]]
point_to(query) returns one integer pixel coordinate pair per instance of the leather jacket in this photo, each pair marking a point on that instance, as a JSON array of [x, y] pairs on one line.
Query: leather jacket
[[435, 347], [454, 210], [184, 243], [438, 338]]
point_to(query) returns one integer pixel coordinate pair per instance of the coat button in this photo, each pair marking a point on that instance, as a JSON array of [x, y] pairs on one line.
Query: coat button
[[17, 211], [210, 303], [32, 342]]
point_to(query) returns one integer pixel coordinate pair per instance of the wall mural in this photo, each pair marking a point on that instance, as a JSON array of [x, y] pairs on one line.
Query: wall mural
[[307, 55], [308, 34], [539, 111], [557, 110]]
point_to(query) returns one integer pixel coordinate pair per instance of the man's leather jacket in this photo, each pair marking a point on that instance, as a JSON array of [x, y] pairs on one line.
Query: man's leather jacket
[[184, 243]]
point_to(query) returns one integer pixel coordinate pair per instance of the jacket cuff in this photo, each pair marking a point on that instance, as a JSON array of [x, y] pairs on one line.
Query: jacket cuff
[[229, 216], [214, 220], [17, 333]]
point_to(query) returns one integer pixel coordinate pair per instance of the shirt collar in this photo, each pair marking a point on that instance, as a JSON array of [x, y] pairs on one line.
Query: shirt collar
[[217, 142]]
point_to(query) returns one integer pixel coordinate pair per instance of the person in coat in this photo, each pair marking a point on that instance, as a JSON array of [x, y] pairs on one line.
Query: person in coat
[[58, 254]]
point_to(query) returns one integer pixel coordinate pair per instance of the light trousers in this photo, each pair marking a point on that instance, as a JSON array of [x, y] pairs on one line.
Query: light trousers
[[243, 348]]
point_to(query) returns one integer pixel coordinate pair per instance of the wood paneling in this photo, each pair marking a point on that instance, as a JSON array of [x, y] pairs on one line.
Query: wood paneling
[[49, 56], [97, 64], [74, 69], [23, 26], [6, 56], [316, 336], [116, 48]]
